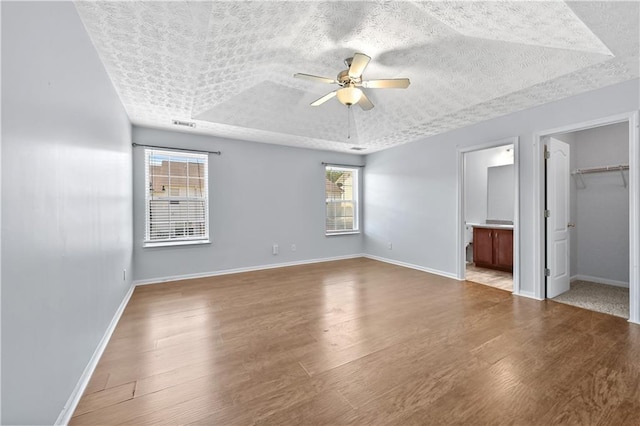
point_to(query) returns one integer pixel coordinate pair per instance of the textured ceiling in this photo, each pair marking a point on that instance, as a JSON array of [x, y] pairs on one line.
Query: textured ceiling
[[228, 66]]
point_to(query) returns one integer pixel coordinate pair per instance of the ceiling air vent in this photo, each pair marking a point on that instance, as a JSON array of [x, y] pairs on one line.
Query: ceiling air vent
[[184, 123], [358, 148]]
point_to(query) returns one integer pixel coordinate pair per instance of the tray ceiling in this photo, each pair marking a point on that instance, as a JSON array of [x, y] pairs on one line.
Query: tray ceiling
[[228, 66]]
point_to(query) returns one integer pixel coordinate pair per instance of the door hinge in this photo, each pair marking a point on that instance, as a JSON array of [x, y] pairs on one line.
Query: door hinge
[[547, 153], [547, 213], [547, 272]]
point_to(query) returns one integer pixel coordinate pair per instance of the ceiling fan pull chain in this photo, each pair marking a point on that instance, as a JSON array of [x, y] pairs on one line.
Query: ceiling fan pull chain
[[349, 122]]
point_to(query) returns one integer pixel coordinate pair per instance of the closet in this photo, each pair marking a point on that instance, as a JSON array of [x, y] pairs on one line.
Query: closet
[[599, 219]]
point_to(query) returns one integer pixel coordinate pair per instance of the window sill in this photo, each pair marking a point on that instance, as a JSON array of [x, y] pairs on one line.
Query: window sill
[[175, 243], [341, 233]]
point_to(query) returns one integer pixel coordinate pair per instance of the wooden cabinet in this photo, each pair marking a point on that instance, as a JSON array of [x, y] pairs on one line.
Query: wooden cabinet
[[482, 246], [503, 249], [493, 248]]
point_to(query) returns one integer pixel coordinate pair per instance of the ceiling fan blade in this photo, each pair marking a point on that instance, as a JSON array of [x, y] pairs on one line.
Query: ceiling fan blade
[[314, 78], [394, 83], [365, 103], [324, 99], [358, 64]]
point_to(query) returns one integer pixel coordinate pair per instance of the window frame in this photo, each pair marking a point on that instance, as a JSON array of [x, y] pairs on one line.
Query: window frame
[[355, 201], [184, 240]]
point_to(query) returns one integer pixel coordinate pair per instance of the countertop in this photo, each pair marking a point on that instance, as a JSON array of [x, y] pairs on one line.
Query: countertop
[[490, 225]]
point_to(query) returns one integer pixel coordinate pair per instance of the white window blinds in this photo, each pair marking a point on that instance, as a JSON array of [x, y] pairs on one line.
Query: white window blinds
[[177, 205], [341, 190]]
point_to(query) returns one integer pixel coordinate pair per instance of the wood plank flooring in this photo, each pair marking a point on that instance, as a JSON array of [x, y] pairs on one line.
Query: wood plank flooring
[[360, 342]]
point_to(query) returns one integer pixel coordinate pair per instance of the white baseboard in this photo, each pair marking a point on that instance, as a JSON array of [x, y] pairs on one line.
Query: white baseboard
[[74, 399], [239, 270], [412, 266], [600, 280], [527, 294]]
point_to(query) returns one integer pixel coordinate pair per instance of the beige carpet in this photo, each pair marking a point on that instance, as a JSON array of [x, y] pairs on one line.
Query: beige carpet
[[597, 297]]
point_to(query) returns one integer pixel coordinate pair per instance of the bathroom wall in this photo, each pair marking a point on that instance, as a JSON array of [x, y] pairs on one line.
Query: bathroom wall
[[476, 164]]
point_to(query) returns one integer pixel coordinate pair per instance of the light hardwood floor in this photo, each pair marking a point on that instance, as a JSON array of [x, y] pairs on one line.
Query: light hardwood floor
[[360, 342]]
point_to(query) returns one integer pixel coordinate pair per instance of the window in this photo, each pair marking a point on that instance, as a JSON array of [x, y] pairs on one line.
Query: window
[[341, 193], [177, 204]]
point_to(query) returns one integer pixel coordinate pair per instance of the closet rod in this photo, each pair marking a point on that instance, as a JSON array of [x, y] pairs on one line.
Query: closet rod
[[601, 169], [620, 168]]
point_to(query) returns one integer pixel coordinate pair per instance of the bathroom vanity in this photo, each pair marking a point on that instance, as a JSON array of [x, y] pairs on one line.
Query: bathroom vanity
[[493, 246]]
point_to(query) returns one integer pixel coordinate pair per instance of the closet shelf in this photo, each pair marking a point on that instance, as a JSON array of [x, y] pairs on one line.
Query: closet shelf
[[619, 168]]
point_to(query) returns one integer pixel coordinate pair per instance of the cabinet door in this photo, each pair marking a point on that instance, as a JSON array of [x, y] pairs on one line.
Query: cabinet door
[[503, 248], [482, 246]]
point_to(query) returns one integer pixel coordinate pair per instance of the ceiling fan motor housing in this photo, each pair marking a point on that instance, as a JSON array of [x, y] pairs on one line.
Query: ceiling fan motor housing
[[343, 78]]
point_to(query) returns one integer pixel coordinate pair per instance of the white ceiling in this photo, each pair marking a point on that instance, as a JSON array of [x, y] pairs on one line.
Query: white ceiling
[[228, 66]]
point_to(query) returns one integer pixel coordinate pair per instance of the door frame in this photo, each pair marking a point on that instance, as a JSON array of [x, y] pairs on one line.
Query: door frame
[[461, 257], [632, 118]]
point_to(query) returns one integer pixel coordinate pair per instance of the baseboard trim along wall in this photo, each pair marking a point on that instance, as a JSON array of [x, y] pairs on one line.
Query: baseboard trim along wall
[[599, 280], [527, 294], [240, 270], [74, 399], [412, 266]]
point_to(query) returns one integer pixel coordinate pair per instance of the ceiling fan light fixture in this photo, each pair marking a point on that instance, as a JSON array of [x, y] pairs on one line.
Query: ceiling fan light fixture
[[350, 81], [349, 95]]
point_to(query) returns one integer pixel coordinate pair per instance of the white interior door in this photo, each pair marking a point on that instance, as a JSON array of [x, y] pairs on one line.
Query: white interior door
[[558, 180]]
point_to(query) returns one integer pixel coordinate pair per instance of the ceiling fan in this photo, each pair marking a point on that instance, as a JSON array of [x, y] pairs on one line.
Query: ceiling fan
[[350, 82]]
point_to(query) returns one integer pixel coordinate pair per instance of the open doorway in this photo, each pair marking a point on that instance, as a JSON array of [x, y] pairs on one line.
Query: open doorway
[[488, 194], [587, 223], [588, 227]]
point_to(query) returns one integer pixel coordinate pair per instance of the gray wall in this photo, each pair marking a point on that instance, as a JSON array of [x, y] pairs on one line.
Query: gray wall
[[259, 195], [410, 192], [602, 208], [66, 207]]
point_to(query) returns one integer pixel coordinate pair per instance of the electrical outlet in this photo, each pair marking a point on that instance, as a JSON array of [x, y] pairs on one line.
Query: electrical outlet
[[293, 247], [275, 249], [390, 246]]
